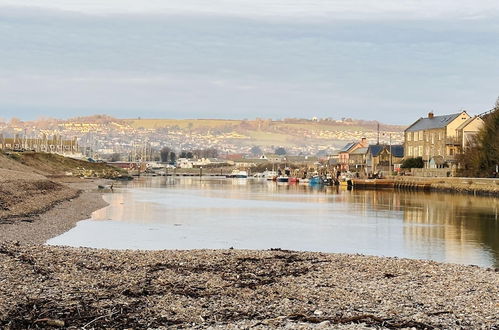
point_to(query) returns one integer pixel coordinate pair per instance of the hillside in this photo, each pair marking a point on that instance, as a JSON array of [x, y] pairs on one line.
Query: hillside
[[31, 183], [23, 194], [56, 165], [266, 132]]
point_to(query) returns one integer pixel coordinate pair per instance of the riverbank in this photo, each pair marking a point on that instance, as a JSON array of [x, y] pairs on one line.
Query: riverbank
[[49, 287], [50, 219], [76, 287], [473, 186]]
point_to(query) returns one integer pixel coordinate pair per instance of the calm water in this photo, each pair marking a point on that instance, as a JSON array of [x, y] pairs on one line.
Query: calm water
[[189, 213]]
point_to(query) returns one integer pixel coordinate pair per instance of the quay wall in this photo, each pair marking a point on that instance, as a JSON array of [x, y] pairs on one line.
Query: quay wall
[[475, 186]]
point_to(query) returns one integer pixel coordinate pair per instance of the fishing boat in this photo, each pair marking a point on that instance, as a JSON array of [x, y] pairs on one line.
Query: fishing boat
[[316, 180], [270, 175], [282, 178], [236, 174]]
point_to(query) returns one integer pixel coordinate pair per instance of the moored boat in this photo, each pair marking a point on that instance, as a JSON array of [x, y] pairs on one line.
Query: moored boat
[[238, 174], [316, 180], [282, 179]]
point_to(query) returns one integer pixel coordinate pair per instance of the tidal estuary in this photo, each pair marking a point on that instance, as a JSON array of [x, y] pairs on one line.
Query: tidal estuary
[[208, 213]]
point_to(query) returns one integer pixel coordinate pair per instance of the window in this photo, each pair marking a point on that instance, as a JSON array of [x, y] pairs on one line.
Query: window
[[420, 151], [420, 135], [409, 136], [432, 138]]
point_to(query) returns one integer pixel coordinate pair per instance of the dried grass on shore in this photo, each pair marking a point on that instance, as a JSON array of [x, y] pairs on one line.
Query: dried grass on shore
[[23, 194], [134, 289]]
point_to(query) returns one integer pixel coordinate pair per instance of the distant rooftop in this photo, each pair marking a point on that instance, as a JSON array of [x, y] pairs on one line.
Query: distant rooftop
[[432, 122], [348, 147], [397, 150], [360, 151]]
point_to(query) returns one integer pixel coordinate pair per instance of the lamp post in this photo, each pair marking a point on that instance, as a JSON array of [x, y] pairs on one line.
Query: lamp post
[[200, 172], [390, 159]]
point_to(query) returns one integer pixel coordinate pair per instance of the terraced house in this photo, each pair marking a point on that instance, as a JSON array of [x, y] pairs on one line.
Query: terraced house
[[438, 139]]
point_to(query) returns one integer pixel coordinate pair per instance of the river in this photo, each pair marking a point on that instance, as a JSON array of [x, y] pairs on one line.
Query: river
[[210, 213]]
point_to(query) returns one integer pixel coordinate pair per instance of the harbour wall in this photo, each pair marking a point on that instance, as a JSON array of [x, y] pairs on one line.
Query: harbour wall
[[474, 186]]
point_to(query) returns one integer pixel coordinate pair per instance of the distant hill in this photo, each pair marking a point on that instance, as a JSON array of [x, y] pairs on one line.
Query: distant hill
[[298, 136], [286, 132]]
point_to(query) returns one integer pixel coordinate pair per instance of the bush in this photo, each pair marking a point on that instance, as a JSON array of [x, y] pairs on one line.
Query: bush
[[482, 157], [413, 163]]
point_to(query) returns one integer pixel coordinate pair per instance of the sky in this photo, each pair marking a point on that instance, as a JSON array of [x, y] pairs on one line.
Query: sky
[[387, 60]]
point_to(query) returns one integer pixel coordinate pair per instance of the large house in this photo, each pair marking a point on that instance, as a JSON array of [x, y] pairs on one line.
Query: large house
[[347, 150], [438, 139], [384, 158]]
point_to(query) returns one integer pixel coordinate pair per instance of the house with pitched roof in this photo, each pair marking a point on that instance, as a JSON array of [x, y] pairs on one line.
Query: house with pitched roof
[[438, 139], [344, 153], [379, 157]]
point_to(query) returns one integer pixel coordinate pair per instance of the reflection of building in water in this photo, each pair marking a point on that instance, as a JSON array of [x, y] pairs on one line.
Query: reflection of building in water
[[464, 225], [459, 221]]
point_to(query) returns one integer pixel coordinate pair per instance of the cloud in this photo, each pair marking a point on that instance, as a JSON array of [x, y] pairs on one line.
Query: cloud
[[301, 9], [206, 65]]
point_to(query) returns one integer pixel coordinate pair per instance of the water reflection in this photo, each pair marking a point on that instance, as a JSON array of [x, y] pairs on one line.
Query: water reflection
[[183, 213]]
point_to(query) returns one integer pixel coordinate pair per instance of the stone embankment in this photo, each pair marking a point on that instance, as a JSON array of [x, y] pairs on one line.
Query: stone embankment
[[475, 186]]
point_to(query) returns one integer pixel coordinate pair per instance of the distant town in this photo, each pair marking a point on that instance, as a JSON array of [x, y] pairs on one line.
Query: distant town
[[368, 148], [104, 137]]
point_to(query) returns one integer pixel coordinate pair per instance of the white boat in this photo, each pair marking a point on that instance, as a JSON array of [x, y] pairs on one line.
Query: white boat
[[270, 175], [238, 174]]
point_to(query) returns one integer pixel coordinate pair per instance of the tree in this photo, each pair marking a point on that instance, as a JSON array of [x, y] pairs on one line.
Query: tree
[[280, 151], [482, 157], [115, 157], [186, 154], [173, 157], [412, 163], [256, 151], [165, 154], [205, 153]]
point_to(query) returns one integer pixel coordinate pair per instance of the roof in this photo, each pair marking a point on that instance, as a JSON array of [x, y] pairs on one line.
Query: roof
[[348, 146], [467, 122], [432, 123], [397, 150], [376, 149], [359, 151]]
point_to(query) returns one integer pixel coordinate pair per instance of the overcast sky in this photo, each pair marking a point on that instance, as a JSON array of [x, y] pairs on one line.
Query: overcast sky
[[387, 60]]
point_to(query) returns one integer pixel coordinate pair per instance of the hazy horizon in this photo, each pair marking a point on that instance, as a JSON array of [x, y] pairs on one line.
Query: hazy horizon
[[387, 61]]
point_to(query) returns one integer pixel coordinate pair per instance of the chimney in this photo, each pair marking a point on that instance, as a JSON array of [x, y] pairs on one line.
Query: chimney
[[430, 115]]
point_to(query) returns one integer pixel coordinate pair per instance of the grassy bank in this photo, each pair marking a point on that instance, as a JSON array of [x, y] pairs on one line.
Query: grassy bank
[[31, 183], [53, 164]]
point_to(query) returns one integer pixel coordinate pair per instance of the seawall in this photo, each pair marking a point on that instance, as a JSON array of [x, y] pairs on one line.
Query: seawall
[[474, 186]]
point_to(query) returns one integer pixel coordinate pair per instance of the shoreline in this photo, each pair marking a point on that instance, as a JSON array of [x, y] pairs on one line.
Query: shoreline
[[456, 185], [57, 218], [236, 289], [77, 287]]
